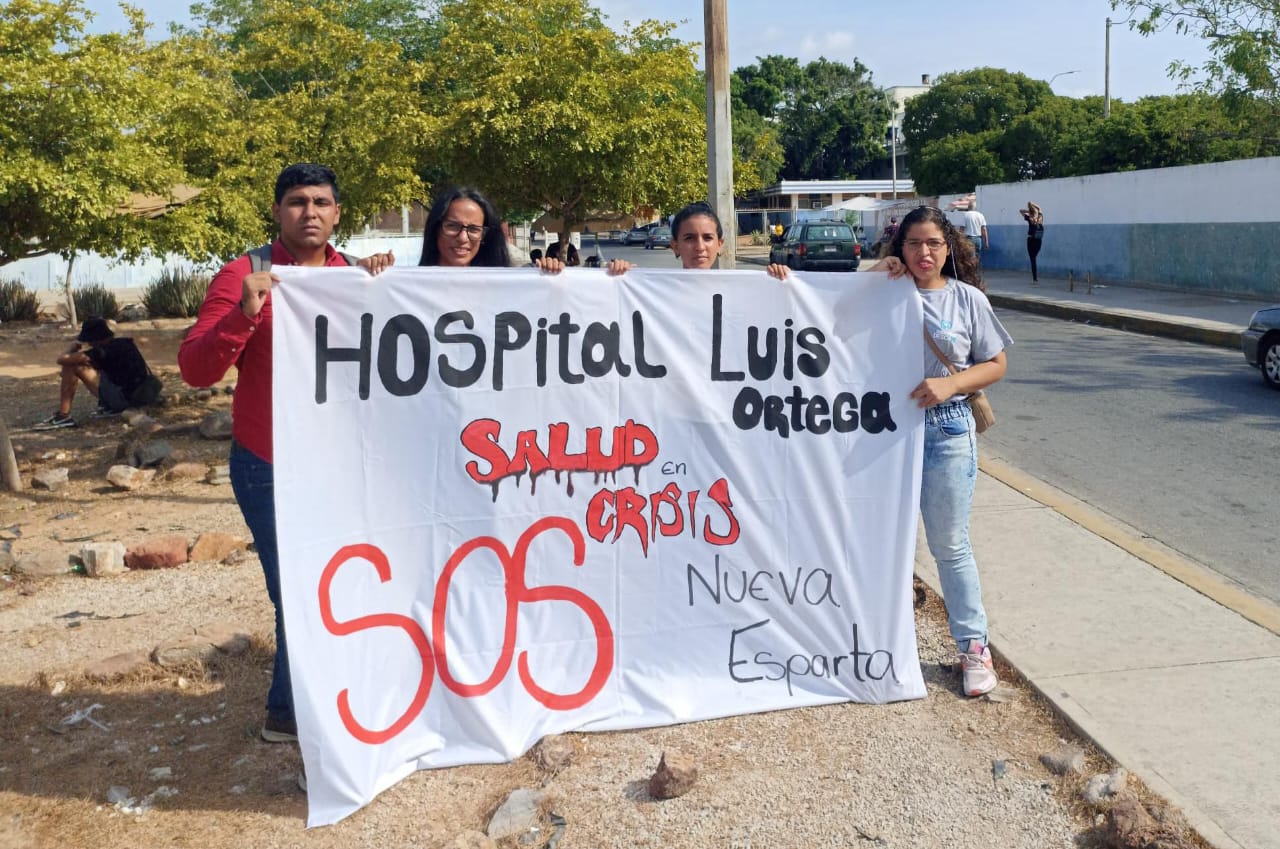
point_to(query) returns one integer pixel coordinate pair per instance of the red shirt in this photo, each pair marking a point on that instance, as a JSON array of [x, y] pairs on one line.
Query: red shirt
[[223, 337]]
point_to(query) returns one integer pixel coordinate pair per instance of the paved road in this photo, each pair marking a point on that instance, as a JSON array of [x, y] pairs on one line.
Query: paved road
[[1176, 439]]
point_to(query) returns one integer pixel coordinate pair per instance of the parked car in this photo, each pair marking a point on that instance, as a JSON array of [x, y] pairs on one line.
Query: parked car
[[659, 237], [1261, 344], [636, 236], [818, 245]]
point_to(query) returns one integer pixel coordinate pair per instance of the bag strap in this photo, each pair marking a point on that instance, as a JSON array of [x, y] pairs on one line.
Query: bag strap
[[937, 352], [260, 258]]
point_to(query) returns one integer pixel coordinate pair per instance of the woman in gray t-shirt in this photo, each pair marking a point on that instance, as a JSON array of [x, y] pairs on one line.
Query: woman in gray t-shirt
[[959, 319]]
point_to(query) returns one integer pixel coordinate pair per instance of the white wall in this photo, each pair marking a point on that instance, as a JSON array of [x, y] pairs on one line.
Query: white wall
[[1244, 190], [50, 272]]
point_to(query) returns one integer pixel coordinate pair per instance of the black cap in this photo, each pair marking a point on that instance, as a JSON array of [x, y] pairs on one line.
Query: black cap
[[94, 329]]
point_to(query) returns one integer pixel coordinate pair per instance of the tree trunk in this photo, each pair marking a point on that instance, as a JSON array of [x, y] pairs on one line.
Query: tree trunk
[[71, 301], [8, 463]]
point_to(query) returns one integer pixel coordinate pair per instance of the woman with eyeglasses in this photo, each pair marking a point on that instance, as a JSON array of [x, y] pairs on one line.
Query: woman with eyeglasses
[[464, 230], [959, 319]]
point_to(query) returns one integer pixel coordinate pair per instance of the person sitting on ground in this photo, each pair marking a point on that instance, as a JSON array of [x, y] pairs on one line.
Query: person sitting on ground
[[111, 367]]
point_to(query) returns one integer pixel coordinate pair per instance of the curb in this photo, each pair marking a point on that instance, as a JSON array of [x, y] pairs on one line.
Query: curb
[[1182, 569], [1186, 571], [1185, 329]]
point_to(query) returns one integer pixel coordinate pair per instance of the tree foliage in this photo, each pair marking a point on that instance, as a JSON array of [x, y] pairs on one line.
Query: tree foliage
[[971, 102], [758, 156], [540, 105], [328, 90], [831, 118], [1243, 37], [989, 126], [77, 117]]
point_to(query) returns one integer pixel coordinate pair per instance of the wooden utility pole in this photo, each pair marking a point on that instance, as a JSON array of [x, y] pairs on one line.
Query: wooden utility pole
[[719, 126]]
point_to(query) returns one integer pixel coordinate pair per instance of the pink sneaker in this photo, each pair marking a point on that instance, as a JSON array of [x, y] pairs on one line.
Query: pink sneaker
[[976, 670]]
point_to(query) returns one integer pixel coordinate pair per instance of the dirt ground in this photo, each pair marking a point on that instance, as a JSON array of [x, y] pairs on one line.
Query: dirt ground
[[940, 771]]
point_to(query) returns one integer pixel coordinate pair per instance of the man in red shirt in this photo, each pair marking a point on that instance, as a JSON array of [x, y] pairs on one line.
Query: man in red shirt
[[234, 328]]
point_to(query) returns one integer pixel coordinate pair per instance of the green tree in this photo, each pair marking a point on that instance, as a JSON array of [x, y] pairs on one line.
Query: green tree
[[540, 105], [1243, 39], [405, 23], [1160, 132], [831, 119], [83, 119], [758, 156], [326, 91], [75, 113], [768, 87], [974, 101], [1041, 143], [836, 124], [957, 164]]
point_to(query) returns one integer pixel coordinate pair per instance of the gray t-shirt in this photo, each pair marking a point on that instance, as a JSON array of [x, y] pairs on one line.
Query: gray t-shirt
[[963, 325]]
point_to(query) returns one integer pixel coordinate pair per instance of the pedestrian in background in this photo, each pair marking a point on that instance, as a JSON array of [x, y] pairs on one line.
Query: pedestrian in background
[[975, 228], [112, 369], [519, 256], [1035, 234], [961, 324]]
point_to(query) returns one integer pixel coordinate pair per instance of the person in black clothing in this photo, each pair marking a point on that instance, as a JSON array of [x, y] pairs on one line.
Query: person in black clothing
[[111, 367], [1035, 234]]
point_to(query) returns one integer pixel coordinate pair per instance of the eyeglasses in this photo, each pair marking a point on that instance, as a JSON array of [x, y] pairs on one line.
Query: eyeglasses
[[457, 228], [916, 245]]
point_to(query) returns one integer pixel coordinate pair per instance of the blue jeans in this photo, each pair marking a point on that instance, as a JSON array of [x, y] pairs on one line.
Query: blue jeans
[[253, 481], [946, 497]]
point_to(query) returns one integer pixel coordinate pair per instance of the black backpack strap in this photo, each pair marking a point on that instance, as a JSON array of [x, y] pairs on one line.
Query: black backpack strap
[[260, 259]]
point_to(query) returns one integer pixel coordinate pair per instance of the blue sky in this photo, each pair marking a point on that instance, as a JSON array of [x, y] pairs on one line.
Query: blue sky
[[899, 41]]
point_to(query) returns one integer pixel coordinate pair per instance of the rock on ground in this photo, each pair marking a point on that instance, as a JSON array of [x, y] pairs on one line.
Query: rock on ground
[[675, 776], [520, 812], [158, 553], [103, 559], [116, 666]]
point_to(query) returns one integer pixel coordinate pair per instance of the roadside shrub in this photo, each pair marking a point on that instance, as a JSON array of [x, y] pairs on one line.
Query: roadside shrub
[[758, 238], [16, 303], [175, 293], [96, 300]]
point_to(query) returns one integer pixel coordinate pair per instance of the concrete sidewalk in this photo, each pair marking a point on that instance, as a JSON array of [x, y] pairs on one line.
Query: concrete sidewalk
[[1177, 688], [1168, 668]]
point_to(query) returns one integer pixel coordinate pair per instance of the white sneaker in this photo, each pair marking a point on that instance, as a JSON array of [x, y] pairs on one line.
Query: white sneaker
[[976, 671]]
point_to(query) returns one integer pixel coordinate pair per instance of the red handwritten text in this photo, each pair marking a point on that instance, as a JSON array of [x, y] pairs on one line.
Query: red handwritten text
[[634, 445]]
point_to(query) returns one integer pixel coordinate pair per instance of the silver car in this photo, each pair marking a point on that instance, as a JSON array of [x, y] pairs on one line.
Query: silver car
[[1261, 344]]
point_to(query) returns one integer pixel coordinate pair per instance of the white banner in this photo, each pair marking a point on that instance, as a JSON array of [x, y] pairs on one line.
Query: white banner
[[512, 504]]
